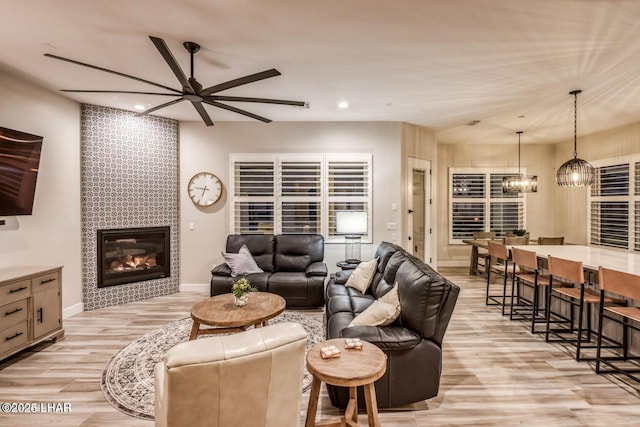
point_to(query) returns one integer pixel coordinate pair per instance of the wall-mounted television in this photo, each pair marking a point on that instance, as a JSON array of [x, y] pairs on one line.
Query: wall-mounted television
[[19, 161]]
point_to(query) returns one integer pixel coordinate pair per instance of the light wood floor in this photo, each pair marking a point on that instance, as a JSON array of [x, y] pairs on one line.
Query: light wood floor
[[495, 372]]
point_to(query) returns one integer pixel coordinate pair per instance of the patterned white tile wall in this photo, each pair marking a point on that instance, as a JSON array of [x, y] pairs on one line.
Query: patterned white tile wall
[[129, 178]]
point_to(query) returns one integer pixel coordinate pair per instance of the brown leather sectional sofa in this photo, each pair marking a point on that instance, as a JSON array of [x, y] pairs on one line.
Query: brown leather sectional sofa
[[292, 263], [413, 343]]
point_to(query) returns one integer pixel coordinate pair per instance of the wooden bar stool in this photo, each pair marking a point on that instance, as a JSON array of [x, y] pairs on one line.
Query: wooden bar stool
[[620, 285], [578, 296], [498, 262], [529, 275]]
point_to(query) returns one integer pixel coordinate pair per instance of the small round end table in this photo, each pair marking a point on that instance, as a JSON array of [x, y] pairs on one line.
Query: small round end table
[[352, 369]]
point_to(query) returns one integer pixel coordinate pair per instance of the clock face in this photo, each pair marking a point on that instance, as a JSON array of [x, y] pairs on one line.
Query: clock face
[[205, 189]]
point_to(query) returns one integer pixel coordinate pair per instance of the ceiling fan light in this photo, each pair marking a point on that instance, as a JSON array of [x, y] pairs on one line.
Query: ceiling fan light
[[575, 173]]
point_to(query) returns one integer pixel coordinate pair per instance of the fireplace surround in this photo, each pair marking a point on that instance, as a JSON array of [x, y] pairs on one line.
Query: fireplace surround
[[129, 255]]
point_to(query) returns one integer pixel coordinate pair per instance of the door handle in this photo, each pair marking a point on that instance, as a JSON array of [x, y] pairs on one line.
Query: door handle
[[410, 210]]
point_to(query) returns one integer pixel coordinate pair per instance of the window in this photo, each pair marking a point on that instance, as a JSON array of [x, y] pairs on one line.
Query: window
[[298, 194], [477, 203], [614, 204]]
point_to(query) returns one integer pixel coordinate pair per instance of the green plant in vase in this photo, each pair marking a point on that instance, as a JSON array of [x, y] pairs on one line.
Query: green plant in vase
[[241, 289], [520, 232]]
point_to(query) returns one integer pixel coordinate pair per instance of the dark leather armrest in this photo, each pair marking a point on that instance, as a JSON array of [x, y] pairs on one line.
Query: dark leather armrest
[[221, 270], [390, 338], [316, 269], [341, 277]]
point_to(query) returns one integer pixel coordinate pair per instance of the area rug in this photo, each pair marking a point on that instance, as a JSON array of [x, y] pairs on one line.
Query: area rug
[[128, 381]]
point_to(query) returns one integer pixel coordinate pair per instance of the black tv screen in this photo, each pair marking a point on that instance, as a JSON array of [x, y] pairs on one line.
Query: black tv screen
[[19, 161]]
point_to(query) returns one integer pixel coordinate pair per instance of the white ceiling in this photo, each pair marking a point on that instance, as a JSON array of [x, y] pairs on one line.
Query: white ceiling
[[437, 63]]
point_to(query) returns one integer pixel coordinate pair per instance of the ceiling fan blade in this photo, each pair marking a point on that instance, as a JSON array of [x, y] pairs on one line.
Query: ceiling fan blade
[[203, 113], [237, 110], [240, 81], [173, 64], [259, 100], [118, 91], [112, 72], [151, 110]]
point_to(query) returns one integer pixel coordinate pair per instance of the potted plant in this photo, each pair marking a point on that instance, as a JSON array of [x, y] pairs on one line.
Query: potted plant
[[241, 289], [520, 232]]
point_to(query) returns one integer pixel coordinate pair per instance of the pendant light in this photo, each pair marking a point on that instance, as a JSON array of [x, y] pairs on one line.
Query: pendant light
[[575, 172], [519, 183]]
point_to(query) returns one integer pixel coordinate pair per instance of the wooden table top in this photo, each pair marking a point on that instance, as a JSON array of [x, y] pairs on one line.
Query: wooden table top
[[221, 311], [353, 368]]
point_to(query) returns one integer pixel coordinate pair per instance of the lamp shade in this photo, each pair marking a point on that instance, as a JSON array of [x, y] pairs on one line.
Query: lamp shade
[[520, 184], [351, 222], [575, 173]]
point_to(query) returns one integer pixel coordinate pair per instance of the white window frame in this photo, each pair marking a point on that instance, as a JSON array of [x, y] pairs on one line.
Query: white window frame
[[324, 198], [632, 199], [487, 200]]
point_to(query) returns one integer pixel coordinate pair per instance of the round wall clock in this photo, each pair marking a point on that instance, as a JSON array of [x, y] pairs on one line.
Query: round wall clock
[[204, 189]]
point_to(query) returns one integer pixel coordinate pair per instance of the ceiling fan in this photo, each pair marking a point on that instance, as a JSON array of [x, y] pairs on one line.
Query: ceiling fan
[[192, 90]]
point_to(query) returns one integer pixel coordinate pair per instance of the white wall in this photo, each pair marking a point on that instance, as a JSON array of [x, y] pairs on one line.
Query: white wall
[[51, 236], [208, 149]]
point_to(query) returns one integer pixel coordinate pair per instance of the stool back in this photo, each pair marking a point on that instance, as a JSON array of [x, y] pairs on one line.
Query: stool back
[[619, 283], [566, 269], [524, 258]]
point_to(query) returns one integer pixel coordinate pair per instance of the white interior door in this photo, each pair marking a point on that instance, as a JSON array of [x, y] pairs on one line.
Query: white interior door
[[419, 203]]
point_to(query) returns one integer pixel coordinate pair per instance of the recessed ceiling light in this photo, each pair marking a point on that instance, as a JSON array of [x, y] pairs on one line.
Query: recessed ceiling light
[[139, 107], [343, 105]]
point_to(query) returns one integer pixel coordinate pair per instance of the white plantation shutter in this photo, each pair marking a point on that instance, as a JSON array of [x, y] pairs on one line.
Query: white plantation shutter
[[477, 203], [301, 197], [298, 194], [614, 204], [253, 197], [348, 189]]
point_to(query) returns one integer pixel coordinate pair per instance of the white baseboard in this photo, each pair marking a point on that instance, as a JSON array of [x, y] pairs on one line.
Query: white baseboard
[[73, 310], [195, 287]]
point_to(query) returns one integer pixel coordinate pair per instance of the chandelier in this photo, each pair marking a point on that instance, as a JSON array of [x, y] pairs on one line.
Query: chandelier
[[575, 172], [519, 183]]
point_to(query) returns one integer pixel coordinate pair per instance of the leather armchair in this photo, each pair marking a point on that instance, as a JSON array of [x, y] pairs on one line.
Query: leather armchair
[[252, 378]]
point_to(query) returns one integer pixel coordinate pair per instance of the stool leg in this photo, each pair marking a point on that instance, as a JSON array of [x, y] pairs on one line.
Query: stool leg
[[372, 405], [313, 403], [580, 315], [351, 411]]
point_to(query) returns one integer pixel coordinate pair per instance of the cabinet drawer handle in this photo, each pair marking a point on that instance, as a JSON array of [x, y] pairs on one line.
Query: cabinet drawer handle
[[8, 313], [40, 316], [16, 335], [17, 289], [47, 281]]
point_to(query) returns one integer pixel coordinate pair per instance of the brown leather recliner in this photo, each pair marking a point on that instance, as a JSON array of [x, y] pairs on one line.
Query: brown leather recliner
[[252, 378], [292, 263], [413, 343]]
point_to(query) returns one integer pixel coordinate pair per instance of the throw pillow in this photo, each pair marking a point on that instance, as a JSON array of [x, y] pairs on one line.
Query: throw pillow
[[362, 276], [392, 298], [377, 314], [242, 262]]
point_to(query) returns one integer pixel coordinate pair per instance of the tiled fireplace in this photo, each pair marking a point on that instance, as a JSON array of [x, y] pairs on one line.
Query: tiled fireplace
[[129, 191]]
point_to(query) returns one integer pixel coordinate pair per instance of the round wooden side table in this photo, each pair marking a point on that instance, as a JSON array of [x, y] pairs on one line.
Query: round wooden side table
[[221, 312], [352, 369]]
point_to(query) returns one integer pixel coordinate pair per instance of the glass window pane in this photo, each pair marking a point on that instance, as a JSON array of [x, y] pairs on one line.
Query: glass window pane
[[610, 224], [301, 179], [468, 185], [611, 181], [343, 206], [467, 218], [254, 179], [253, 218], [301, 218], [505, 216], [348, 179]]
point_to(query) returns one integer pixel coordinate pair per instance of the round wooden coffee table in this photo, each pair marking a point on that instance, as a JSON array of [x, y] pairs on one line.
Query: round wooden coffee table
[[352, 369], [225, 316]]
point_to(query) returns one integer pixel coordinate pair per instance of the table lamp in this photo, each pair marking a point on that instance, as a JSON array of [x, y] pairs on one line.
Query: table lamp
[[353, 224]]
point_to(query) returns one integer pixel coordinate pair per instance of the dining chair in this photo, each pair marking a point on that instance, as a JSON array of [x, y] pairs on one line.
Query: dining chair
[[529, 275], [516, 240], [482, 254], [618, 284], [497, 262], [576, 294], [551, 240]]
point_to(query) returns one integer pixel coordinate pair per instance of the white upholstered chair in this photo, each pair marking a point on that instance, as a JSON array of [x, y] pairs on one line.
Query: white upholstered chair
[[253, 378]]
